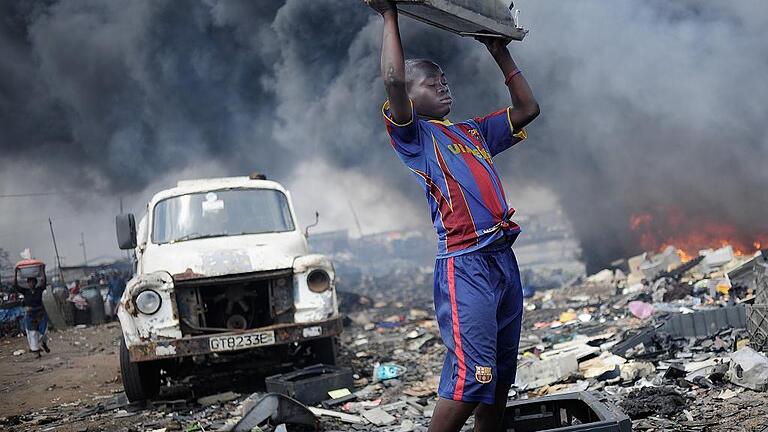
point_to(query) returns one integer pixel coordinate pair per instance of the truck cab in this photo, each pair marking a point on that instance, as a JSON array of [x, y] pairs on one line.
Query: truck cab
[[222, 270]]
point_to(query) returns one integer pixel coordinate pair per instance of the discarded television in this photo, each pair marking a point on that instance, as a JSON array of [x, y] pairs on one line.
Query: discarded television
[[467, 17]]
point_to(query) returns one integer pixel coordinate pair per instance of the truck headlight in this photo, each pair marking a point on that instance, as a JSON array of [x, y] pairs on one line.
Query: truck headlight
[[318, 281], [148, 302]]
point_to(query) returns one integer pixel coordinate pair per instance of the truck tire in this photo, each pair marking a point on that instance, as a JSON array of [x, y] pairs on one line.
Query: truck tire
[[324, 350], [141, 380]]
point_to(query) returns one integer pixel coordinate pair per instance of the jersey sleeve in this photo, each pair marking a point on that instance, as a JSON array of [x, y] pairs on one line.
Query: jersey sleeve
[[498, 132], [405, 137]]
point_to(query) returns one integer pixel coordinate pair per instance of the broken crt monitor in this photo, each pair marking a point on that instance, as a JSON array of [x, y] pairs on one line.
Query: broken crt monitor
[[467, 17]]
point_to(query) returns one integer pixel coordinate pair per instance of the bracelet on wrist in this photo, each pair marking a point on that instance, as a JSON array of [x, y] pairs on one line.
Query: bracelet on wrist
[[511, 75]]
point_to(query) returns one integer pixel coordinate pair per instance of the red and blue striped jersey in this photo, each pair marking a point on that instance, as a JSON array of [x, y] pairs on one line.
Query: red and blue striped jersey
[[453, 162]]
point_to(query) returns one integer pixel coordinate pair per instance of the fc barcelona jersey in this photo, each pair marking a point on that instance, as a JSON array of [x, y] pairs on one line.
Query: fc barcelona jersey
[[453, 162]]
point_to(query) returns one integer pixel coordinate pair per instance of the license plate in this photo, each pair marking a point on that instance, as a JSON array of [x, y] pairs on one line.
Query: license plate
[[312, 331], [241, 341]]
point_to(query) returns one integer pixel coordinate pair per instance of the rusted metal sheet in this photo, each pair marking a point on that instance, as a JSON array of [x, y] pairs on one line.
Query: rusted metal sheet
[[187, 274], [466, 17], [199, 345], [235, 278]]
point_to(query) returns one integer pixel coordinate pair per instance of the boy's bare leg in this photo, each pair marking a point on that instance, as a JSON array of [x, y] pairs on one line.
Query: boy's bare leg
[[450, 415], [490, 418]]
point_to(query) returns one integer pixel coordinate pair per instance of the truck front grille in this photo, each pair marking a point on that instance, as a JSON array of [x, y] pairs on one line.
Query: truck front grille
[[245, 301]]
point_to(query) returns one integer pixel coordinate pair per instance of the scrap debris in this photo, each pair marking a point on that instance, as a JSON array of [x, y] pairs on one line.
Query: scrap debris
[[692, 364], [654, 401]]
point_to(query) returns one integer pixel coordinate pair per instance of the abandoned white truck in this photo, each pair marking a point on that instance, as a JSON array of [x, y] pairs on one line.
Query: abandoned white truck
[[222, 274]]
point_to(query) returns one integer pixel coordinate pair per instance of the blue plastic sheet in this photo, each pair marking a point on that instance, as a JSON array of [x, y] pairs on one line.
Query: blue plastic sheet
[[12, 314]]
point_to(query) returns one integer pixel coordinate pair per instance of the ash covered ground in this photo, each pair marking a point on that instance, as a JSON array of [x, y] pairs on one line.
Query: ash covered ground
[[664, 381]]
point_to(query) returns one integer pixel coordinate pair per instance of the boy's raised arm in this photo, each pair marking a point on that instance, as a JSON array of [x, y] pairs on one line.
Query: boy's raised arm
[[524, 106], [393, 62]]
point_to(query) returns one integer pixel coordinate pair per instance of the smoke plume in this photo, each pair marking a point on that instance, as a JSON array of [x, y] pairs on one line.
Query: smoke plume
[[646, 106]]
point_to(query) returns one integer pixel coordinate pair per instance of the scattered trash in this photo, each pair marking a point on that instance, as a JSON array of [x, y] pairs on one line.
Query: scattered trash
[[568, 316], [643, 339], [346, 418], [672, 349], [653, 401], [407, 426], [714, 259], [358, 407], [606, 366], [634, 370], [387, 371], [276, 408], [311, 384], [640, 309], [329, 403], [532, 372], [726, 394], [674, 372], [757, 326], [576, 412], [338, 393], [379, 417], [706, 322], [749, 369], [217, 398]]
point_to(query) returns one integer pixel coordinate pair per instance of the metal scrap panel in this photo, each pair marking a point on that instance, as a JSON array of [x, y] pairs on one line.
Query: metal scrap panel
[[706, 322], [465, 17]]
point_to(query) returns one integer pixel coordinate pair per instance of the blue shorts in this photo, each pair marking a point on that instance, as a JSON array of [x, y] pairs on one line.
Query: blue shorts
[[479, 308]]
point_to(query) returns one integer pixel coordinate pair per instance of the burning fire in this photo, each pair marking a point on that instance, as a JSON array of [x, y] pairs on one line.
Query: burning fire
[[671, 227], [684, 257]]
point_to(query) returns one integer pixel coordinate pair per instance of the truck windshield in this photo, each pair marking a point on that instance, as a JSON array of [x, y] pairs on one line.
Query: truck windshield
[[220, 213]]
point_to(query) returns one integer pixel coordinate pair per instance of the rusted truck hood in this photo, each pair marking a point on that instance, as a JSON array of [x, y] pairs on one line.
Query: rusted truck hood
[[223, 256]]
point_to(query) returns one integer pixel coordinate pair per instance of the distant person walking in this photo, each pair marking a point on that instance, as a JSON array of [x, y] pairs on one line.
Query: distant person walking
[[116, 288], [35, 318]]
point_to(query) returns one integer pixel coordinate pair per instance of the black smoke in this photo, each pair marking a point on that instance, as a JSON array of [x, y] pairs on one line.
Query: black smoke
[[645, 105]]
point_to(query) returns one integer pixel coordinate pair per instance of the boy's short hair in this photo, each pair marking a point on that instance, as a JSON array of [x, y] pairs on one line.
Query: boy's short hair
[[414, 65]]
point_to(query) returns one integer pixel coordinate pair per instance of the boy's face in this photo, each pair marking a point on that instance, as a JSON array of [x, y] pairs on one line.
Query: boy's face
[[430, 92]]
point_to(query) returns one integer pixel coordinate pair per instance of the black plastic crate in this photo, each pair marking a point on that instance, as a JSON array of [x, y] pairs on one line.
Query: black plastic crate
[[572, 412], [761, 278], [311, 384], [757, 326]]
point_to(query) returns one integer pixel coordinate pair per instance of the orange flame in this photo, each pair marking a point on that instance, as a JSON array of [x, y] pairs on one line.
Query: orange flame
[[671, 227], [684, 257]]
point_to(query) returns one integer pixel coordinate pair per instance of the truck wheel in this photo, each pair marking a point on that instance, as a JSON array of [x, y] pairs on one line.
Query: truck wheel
[[141, 380], [324, 350]]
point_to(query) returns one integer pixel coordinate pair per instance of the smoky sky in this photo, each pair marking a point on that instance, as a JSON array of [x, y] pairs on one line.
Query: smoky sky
[[646, 106]]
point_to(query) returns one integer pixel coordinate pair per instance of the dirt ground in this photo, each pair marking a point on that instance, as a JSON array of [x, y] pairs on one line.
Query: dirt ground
[[77, 387], [81, 367]]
